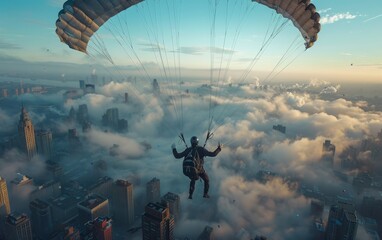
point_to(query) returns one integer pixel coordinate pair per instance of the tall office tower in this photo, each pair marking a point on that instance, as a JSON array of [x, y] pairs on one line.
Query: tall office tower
[[328, 151], [26, 134], [123, 203], [103, 187], [41, 218], [207, 234], [342, 223], [68, 233], [126, 97], [89, 88], [156, 88], [44, 143], [92, 207], [82, 84], [18, 227], [153, 190], [5, 93], [4, 199], [316, 208], [110, 118], [72, 115], [99, 229], [173, 201], [83, 114], [157, 222]]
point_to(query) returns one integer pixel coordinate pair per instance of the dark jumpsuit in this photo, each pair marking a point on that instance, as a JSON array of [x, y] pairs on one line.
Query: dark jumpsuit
[[202, 152]]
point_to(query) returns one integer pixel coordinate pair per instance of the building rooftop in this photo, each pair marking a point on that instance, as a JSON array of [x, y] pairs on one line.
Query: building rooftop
[[121, 182], [92, 201], [64, 201], [16, 218], [21, 179], [39, 204]]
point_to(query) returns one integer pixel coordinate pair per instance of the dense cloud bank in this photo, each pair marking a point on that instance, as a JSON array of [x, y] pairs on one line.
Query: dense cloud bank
[[243, 115]]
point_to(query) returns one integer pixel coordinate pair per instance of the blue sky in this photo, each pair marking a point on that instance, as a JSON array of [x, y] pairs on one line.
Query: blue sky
[[350, 35]]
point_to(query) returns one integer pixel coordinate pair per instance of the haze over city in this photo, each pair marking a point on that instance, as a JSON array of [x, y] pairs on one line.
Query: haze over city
[[290, 110]]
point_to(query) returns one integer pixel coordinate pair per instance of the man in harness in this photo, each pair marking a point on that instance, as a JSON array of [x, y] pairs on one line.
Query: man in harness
[[197, 153]]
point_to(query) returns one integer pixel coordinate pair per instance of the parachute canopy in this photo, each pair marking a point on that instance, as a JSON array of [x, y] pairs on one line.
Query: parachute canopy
[[302, 13], [80, 19]]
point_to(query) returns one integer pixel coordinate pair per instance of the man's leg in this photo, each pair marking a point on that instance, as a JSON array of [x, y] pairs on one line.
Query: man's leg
[[206, 180], [192, 188]]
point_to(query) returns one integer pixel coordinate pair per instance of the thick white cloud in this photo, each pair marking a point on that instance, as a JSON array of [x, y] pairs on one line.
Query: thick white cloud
[[242, 121]]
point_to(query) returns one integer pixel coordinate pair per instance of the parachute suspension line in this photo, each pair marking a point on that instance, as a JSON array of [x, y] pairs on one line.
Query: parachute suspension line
[[294, 45], [101, 49], [276, 29], [176, 54], [213, 11], [236, 35], [162, 58], [181, 136], [209, 136]]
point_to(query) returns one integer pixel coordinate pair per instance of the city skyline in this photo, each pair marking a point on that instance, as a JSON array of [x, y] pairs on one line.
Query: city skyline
[[86, 140]]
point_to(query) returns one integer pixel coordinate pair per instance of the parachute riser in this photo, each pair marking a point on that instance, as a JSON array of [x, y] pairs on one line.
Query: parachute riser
[[181, 136]]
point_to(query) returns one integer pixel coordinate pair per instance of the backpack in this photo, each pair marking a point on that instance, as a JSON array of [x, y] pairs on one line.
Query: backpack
[[191, 164]]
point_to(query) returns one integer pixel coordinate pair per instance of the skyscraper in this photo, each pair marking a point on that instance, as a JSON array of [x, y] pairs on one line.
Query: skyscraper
[[328, 151], [44, 143], [123, 203], [92, 207], [26, 134], [207, 234], [4, 199], [41, 217], [110, 118], [157, 222], [18, 227], [173, 201], [83, 114], [153, 190], [342, 223], [99, 229]]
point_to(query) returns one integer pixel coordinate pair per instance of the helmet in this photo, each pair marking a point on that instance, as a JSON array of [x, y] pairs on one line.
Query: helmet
[[194, 141]]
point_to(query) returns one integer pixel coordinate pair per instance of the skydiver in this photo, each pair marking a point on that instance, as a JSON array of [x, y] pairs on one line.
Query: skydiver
[[202, 152]]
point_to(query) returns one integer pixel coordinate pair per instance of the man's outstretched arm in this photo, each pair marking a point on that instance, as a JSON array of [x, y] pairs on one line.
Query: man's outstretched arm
[[175, 152], [214, 153]]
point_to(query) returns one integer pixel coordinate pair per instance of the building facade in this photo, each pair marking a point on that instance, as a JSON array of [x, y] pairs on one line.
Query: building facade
[[157, 222], [123, 203], [153, 190], [26, 134]]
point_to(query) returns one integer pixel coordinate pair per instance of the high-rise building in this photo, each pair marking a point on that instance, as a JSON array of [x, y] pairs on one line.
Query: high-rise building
[[126, 97], [342, 223], [99, 229], [44, 143], [153, 190], [173, 201], [68, 233], [5, 92], [82, 84], [157, 222], [92, 207], [83, 114], [156, 88], [110, 118], [207, 234], [4, 199], [103, 187], [26, 134], [41, 218], [18, 227], [89, 88], [316, 208], [328, 151], [123, 203]]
